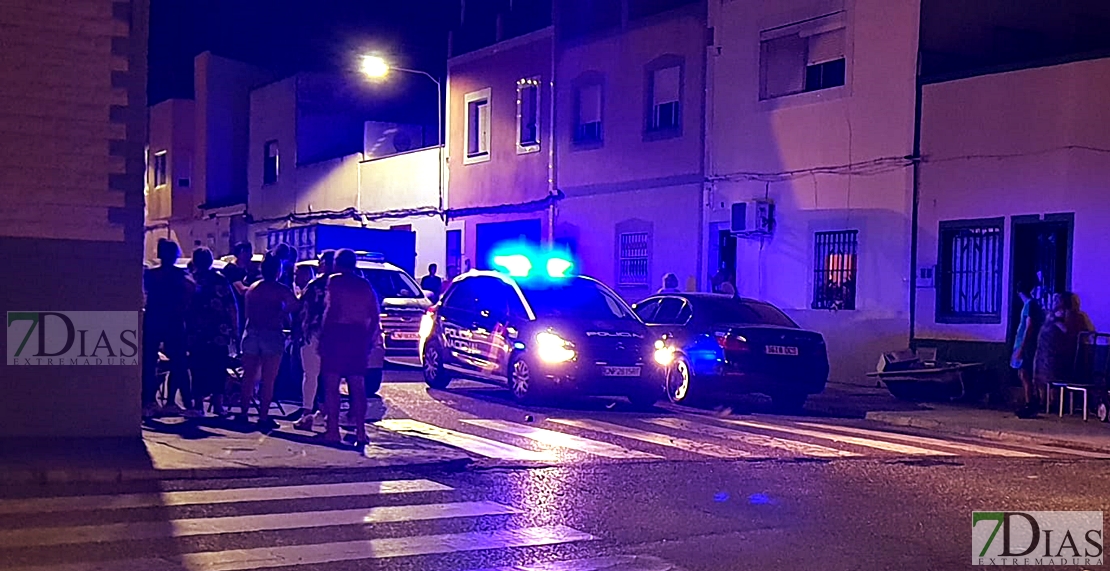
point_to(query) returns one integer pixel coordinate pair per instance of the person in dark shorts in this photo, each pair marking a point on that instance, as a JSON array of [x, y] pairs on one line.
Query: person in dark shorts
[[1025, 346]]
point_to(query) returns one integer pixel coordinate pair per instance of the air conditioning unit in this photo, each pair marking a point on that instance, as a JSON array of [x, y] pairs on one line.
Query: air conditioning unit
[[753, 218]]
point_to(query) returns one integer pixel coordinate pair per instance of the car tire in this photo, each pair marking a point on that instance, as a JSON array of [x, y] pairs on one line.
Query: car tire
[[679, 382], [788, 403], [522, 381], [435, 376]]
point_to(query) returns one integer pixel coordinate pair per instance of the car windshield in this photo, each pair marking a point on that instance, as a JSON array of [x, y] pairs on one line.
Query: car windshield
[[576, 299], [735, 311], [392, 283]]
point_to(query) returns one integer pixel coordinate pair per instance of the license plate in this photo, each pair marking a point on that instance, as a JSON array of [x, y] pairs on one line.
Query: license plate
[[780, 350], [621, 371], [405, 336]]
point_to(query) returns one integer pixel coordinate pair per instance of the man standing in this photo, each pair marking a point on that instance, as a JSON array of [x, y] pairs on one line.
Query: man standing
[[240, 273], [212, 326], [168, 291], [351, 316], [1025, 346], [312, 315], [432, 282], [268, 303]]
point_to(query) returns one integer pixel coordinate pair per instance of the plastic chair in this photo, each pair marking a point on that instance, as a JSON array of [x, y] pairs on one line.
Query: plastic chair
[[1090, 371]]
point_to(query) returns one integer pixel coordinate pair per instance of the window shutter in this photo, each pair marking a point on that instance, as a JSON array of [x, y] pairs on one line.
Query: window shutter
[[784, 63], [826, 47], [589, 104], [483, 127], [665, 85]]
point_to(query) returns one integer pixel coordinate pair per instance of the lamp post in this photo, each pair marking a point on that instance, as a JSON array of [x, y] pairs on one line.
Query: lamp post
[[377, 67]]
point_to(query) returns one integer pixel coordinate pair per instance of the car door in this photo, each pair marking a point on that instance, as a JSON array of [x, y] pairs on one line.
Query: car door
[[488, 329], [458, 316]]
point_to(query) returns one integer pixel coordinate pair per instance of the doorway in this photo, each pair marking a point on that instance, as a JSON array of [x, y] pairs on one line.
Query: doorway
[[1040, 252], [722, 252]]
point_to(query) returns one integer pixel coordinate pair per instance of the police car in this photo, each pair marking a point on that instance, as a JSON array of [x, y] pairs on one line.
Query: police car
[[540, 330]]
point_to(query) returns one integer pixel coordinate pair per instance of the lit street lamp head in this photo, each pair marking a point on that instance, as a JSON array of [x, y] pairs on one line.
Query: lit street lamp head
[[374, 66]]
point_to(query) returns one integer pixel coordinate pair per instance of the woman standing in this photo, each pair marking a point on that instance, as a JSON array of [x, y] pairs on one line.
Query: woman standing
[[1056, 345], [212, 324]]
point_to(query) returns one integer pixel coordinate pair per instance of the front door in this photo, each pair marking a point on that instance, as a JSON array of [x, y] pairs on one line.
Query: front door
[[1040, 254], [722, 252]]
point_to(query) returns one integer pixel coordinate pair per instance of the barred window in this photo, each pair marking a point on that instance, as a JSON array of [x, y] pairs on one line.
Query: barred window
[[969, 284], [633, 259], [834, 267]]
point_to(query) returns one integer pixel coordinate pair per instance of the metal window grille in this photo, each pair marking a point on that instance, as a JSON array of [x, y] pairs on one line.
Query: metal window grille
[[971, 271], [633, 259], [834, 266]]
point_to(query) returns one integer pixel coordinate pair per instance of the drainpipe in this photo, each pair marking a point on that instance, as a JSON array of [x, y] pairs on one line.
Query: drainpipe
[[552, 156], [916, 205], [707, 117]]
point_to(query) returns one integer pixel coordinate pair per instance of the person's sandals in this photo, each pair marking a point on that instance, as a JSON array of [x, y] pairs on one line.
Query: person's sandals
[[305, 423]]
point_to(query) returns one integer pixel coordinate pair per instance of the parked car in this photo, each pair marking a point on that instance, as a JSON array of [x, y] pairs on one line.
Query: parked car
[[539, 335], [403, 303], [720, 345]]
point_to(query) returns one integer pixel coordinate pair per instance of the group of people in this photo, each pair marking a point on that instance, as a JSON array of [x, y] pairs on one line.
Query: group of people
[[193, 317], [1046, 344]]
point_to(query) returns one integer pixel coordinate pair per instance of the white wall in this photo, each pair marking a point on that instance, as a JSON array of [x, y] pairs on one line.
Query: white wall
[[756, 149], [403, 181], [1029, 142]]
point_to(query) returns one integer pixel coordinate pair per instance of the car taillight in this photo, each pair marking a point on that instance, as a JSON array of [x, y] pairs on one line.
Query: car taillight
[[733, 343]]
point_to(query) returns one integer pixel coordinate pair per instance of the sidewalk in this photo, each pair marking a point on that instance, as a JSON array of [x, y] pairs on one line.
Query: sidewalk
[[1048, 429], [174, 449]]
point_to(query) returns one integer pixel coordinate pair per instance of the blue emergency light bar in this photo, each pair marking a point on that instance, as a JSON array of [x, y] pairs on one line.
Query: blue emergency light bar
[[520, 264]]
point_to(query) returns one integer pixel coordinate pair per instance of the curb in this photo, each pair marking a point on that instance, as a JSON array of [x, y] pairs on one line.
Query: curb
[[988, 434], [121, 475]]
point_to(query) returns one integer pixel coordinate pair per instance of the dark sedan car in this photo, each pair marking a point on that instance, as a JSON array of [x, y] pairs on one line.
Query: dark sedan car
[[718, 345]]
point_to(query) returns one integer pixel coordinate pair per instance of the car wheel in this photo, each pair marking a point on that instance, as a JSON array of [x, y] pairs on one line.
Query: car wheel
[[434, 374], [522, 383], [788, 403], [679, 379]]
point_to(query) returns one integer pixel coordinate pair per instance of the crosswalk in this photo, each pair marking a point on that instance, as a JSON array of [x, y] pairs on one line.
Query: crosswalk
[[568, 439], [271, 528]]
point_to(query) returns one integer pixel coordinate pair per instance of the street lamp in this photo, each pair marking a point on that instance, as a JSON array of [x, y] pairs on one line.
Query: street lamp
[[376, 67]]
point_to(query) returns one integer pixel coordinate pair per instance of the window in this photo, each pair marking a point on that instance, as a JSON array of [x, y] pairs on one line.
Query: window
[[803, 57], [633, 259], [579, 298], [834, 266], [528, 115], [477, 126], [646, 309], [588, 105], [270, 162], [969, 284], [737, 311], [665, 108], [672, 311], [160, 168]]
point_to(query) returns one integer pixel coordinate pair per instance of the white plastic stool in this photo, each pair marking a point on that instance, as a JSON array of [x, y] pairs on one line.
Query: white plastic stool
[[1070, 390]]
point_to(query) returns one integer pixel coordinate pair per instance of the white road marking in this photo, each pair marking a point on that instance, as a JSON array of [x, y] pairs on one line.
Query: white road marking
[[616, 563], [751, 439], [554, 438], [231, 495], [324, 553], [924, 441], [243, 559], [867, 443], [243, 524], [469, 442], [694, 446]]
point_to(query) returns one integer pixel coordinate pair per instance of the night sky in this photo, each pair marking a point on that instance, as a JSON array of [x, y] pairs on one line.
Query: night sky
[[293, 35]]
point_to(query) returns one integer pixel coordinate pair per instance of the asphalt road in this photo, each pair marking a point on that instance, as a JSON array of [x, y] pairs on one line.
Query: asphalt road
[[584, 486]]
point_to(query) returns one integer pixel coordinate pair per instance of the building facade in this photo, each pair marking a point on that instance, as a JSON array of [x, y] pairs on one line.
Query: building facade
[[1011, 193], [171, 207], [811, 112], [73, 107]]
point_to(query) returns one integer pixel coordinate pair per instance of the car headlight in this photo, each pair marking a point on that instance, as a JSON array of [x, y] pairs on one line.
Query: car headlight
[[425, 325], [664, 354], [553, 349]]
